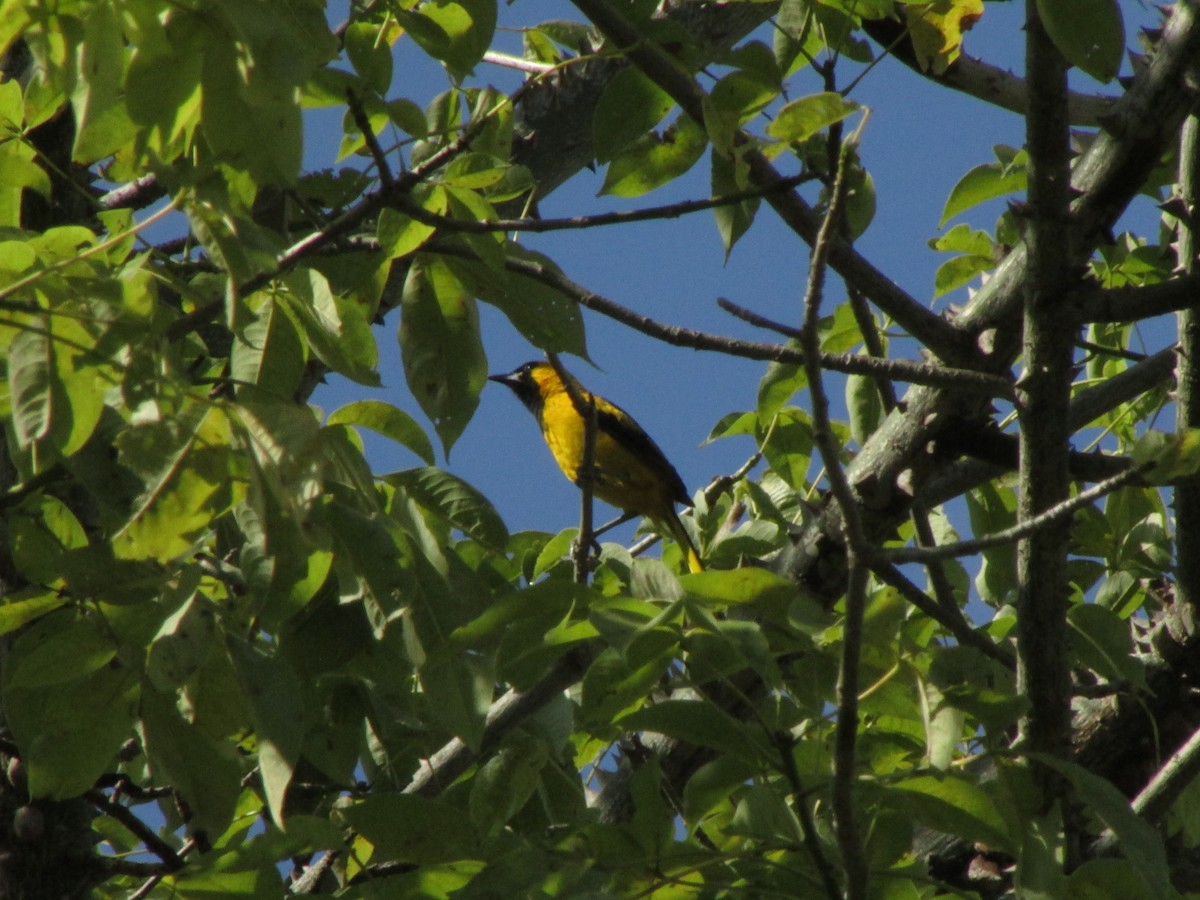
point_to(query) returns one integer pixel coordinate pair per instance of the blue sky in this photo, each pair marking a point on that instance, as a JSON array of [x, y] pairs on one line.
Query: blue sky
[[919, 141]]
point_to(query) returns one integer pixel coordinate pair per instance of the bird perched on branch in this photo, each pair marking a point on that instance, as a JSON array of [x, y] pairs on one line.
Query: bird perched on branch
[[630, 471]]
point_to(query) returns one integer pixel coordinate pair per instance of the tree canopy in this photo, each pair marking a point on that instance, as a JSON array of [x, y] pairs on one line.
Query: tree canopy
[[944, 644]]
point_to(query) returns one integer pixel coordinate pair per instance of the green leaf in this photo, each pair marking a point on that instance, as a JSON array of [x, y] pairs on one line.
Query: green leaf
[[412, 829], [227, 105], [1090, 34], [22, 607], [191, 478], [984, 183], [764, 815], [182, 644], [1136, 840], [399, 234], [370, 52], [953, 805], [992, 508], [276, 703], [504, 784], [741, 95], [954, 273], [731, 176], [69, 655], [42, 530], [630, 106], [788, 448], [546, 318], [103, 125], [865, 405], [267, 351], [338, 327], [31, 374], [1170, 456], [1102, 641], [459, 692], [443, 356], [69, 704], [206, 773], [387, 420], [776, 387], [653, 160], [802, 118], [695, 721], [457, 33], [746, 586], [456, 501], [1109, 879]]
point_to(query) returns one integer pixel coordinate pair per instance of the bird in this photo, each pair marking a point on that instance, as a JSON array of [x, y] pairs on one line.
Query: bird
[[630, 471]]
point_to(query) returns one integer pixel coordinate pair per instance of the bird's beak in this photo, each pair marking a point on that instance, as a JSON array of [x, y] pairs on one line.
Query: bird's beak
[[504, 379]]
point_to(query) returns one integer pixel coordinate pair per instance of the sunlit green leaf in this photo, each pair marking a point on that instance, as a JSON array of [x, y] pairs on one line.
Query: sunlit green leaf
[[387, 420], [439, 340]]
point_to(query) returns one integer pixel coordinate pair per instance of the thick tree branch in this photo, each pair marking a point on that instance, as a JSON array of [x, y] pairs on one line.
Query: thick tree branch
[[1043, 672], [977, 78], [1187, 407], [1136, 303]]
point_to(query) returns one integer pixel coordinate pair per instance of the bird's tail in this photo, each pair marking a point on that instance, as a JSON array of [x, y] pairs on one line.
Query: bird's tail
[[679, 533]]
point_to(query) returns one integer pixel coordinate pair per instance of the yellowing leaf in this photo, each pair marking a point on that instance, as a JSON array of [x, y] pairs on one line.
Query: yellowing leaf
[[937, 29]]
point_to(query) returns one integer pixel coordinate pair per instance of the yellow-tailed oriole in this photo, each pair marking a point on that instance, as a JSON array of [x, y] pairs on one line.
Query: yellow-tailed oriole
[[631, 473]]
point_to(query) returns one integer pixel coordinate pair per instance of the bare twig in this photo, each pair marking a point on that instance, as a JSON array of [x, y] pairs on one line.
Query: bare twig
[[171, 860], [1020, 531], [845, 761], [139, 193], [369, 138], [878, 366], [785, 743], [1156, 798], [518, 63], [950, 619], [670, 211]]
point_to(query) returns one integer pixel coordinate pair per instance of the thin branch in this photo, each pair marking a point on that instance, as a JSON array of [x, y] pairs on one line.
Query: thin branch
[[171, 860], [845, 760], [188, 846], [1156, 798], [364, 125], [670, 211], [952, 620], [932, 374], [785, 743], [516, 62], [1021, 530], [137, 194], [675, 335]]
